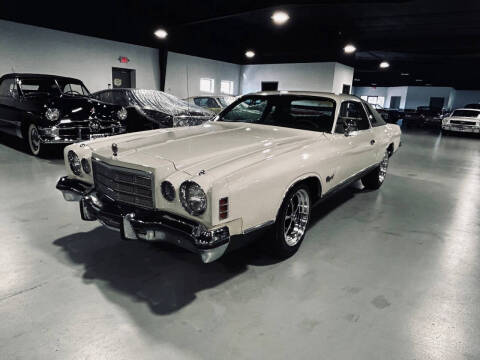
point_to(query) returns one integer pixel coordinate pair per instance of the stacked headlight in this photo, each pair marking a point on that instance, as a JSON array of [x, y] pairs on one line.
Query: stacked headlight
[[122, 114], [52, 114], [74, 162], [193, 198]]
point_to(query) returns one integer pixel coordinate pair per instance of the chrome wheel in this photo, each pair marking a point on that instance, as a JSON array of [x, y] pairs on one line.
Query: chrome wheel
[[382, 173], [296, 217], [33, 139]]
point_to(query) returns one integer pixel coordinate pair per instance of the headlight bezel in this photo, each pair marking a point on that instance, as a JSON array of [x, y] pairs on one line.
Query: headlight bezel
[[168, 190], [122, 114], [87, 168], [74, 162], [52, 114], [185, 188]]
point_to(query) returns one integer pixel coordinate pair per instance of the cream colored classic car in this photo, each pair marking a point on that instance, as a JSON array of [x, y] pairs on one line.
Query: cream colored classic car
[[256, 169]]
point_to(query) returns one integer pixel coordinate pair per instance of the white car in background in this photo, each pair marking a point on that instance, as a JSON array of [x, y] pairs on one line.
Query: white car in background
[[257, 169], [215, 103], [462, 120]]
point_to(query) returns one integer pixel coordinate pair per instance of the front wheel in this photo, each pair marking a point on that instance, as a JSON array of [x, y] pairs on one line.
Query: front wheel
[[376, 177], [32, 140], [292, 221]]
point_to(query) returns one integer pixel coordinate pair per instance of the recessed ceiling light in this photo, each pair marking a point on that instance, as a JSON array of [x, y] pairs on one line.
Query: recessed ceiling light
[[428, 84], [161, 33], [349, 48], [374, 84], [405, 74], [250, 54], [418, 80], [356, 79], [384, 65], [280, 17]]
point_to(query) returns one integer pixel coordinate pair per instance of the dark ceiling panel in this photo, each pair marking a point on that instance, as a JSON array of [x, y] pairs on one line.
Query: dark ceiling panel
[[436, 41]]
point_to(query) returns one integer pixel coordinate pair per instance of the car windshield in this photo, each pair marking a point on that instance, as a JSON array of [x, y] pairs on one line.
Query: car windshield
[[52, 86], [466, 113], [297, 112]]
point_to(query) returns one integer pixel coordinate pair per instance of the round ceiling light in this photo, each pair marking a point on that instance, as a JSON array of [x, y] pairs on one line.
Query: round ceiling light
[[280, 17], [249, 54], [161, 33], [384, 65], [349, 48]]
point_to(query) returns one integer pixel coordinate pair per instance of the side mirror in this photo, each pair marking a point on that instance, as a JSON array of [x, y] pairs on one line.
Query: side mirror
[[350, 126]]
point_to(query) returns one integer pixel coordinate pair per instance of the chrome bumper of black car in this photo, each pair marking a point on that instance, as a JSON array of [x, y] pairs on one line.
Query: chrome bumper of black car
[[72, 134], [151, 225]]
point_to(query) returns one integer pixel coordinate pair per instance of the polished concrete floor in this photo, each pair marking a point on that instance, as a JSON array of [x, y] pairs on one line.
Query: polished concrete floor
[[389, 274]]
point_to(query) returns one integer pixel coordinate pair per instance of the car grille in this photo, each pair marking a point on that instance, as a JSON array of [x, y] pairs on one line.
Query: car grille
[[459, 122], [123, 185]]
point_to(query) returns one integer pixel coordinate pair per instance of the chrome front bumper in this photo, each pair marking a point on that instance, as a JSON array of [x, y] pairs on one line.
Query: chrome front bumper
[[72, 134], [147, 225], [462, 128]]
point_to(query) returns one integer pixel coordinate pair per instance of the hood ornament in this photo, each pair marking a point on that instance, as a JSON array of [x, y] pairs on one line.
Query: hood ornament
[[115, 149]]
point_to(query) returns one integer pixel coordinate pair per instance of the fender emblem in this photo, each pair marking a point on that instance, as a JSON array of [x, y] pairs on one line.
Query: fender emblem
[[115, 149], [329, 178]]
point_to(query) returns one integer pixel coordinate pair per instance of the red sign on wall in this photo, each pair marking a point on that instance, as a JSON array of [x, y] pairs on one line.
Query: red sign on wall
[[124, 59]]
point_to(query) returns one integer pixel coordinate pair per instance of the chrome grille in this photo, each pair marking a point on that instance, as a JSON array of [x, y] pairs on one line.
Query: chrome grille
[[128, 186]]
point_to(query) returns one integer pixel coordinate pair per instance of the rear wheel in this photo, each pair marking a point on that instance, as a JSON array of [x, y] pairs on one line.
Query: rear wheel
[[292, 221], [32, 140], [375, 179]]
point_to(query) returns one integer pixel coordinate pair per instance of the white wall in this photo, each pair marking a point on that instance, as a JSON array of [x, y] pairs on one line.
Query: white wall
[[370, 91], [176, 77], [420, 95], [396, 91], [25, 48], [464, 97], [343, 76], [326, 76]]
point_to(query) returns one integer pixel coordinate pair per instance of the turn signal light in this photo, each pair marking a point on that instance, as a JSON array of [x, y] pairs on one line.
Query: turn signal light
[[223, 208]]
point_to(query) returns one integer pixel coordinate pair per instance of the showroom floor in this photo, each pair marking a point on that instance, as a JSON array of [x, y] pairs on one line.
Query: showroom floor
[[391, 274]]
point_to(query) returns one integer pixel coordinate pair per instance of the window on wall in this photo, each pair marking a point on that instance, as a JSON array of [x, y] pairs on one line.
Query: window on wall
[[364, 97], [226, 87], [375, 100], [207, 85]]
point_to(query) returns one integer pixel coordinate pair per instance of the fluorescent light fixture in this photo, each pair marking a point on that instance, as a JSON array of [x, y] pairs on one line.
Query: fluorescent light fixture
[[384, 65], [249, 54], [161, 33], [374, 84], [418, 80], [428, 84], [356, 79], [349, 48], [280, 17], [405, 74]]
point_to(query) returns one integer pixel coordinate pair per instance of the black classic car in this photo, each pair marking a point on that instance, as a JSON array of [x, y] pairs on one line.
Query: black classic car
[[389, 115], [49, 109], [153, 109]]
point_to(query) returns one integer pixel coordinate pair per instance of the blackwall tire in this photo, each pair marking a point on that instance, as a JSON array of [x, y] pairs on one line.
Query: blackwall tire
[[291, 223], [32, 140], [376, 177]]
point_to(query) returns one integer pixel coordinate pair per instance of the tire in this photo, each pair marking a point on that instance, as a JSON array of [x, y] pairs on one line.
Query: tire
[[32, 140], [376, 177], [287, 238]]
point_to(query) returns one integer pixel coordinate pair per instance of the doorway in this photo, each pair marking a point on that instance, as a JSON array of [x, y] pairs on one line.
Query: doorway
[[346, 89], [395, 102], [123, 78], [269, 85], [436, 103]]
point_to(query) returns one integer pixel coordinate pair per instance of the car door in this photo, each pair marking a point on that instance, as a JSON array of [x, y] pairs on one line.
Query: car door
[[379, 132], [355, 148], [10, 119]]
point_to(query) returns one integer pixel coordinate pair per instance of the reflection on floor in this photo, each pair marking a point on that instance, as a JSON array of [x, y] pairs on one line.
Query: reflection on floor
[[388, 274]]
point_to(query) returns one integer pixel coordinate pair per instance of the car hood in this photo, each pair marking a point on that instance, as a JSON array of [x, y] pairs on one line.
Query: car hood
[[205, 147]]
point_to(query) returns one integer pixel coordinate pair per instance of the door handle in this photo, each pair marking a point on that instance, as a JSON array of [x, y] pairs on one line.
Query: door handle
[[372, 142]]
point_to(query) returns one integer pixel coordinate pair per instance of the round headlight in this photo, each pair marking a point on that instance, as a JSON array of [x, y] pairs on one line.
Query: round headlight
[[52, 114], [74, 162], [86, 166], [122, 114], [168, 191], [193, 198]]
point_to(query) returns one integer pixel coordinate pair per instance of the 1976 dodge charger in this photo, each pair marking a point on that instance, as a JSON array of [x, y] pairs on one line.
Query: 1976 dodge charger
[[257, 168]]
